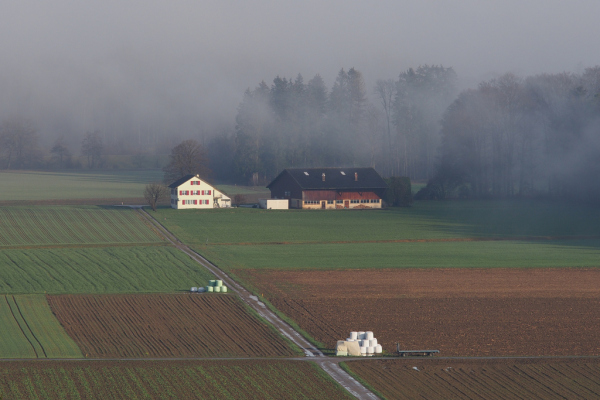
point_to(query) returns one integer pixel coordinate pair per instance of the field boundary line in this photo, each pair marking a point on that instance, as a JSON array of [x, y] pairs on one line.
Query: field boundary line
[[339, 375], [433, 240]]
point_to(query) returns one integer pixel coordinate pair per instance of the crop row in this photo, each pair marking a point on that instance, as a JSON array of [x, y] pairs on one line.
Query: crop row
[[99, 270], [72, 225], [168, 380], [541, 379], [163, 325], [30, 330]]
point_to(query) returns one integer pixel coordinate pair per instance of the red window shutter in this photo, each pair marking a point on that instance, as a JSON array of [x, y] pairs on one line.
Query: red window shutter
[[209, 192]]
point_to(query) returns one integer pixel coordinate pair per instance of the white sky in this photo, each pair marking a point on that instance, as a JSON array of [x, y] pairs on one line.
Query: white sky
[[192, 60]]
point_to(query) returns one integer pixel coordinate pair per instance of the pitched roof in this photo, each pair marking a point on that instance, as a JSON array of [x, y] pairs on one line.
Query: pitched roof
[[181, 180], [335, 178]]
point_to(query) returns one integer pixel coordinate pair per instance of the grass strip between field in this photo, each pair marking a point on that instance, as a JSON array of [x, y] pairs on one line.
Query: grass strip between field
[[30, 330]]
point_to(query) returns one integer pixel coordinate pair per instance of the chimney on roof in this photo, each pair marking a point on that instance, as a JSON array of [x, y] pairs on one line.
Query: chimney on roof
[[323, 176], [356, 177]]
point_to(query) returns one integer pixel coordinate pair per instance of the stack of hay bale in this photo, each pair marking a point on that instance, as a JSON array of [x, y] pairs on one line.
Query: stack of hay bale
[[214, 286], [365, 341]]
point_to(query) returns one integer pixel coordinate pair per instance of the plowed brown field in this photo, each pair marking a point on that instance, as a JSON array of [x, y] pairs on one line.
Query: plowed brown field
[[461, 312], [493, 379], [165, 325]]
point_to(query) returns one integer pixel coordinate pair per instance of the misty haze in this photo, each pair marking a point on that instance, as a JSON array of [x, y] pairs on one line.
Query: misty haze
[[264, 87]]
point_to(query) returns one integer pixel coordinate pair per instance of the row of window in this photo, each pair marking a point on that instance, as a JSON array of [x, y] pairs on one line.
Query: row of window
[[190, 202], [195, 192], [342, 201]]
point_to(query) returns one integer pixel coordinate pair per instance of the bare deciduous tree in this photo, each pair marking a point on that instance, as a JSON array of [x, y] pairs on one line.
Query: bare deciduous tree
[[188, 157], [92, 147], [154, 193]]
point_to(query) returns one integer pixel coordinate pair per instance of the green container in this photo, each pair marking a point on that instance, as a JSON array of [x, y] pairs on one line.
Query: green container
[[218, 289], [219, 283], [223, 289], [209, 289], [211, 282]]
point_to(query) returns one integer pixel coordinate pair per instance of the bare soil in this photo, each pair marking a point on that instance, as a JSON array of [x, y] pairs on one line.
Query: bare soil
[[461, 312], [487, 379], [165, 325]]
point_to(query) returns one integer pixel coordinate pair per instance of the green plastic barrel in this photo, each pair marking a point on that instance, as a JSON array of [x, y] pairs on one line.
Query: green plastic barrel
[[219, 283], [218, 289], [223, 289], [209, 289], [211, 282]]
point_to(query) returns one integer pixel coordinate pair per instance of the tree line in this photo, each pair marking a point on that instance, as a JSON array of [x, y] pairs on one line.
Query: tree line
[[510, 136], [296, 124], [537, 136]]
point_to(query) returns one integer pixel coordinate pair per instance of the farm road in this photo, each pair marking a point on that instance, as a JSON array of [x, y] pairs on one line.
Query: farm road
[[331, 367]]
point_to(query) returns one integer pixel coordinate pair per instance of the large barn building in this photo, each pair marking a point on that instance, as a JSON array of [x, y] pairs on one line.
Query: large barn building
[[329, 188], [192, 192]]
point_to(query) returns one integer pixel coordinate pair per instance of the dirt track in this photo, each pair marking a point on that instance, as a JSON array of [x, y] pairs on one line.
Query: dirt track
[[491, 312]]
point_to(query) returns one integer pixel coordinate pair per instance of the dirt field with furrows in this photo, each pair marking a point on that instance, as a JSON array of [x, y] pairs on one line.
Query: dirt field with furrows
[[165, 325], [461, 312], [221, 379], [490, 379]]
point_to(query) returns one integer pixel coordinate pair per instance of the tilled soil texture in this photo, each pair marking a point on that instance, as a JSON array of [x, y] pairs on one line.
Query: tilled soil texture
[[233, 379], [461, 312], [165, 325], [488, 379]]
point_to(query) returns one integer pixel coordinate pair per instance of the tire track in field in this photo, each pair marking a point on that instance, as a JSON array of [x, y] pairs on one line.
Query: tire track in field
[[22, 328]]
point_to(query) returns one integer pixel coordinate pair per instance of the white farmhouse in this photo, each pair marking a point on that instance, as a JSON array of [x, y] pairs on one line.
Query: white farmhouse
[[192, 192]]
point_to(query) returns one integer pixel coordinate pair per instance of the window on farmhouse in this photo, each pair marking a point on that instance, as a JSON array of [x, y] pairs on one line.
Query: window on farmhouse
[[329, 201], [340, 201]]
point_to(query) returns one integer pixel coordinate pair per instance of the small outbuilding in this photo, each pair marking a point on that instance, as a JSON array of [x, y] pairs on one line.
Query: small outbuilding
[[274, 204], [329, 188], [192, 192]]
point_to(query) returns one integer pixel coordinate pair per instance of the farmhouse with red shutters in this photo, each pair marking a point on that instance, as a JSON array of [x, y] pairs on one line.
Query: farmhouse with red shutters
[[192, 192], [329, 188]]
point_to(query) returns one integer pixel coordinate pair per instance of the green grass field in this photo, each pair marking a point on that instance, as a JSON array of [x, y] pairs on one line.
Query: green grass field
[[543, 234], [425, 220], [99, 270], [30, 330], [81, 225], [486, 254], [81, 184]]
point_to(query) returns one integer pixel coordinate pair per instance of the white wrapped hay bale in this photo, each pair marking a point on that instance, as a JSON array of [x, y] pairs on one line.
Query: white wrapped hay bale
[[369, 335], [373, 342], [201, 289], [354, 335], [378, 349], [370, 350], [361, 335], [194, 289], [363, 350]]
